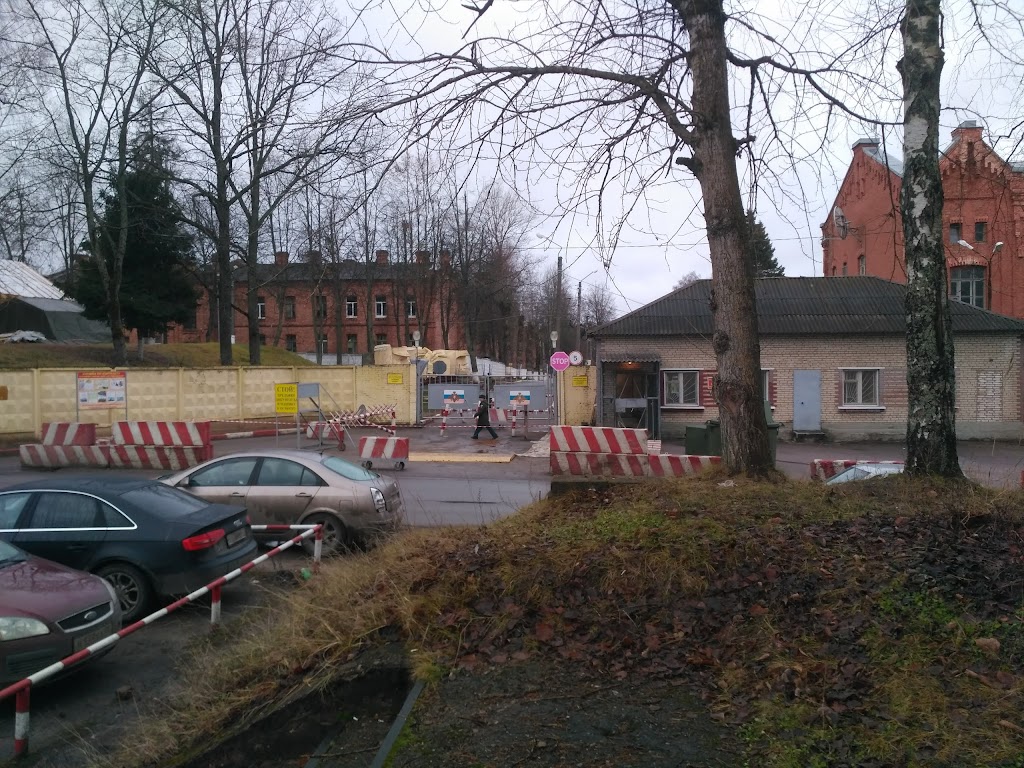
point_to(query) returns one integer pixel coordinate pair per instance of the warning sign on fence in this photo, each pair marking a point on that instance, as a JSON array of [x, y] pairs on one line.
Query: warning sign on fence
[[286, 398], [101, 389]]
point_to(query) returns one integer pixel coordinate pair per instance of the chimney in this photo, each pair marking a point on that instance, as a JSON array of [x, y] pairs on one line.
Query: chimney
[[422, 257], [969, 130], [865, 144], [382, 257], [281, 258]]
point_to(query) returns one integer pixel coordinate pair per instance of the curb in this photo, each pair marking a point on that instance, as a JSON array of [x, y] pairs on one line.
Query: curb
[[427, 457]]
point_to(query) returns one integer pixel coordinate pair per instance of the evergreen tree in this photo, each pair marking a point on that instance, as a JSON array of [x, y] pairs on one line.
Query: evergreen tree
[[765, 263], [156, 289]]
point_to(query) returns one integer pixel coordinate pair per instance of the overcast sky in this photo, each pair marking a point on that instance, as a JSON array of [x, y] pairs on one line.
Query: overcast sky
[[665, 239]]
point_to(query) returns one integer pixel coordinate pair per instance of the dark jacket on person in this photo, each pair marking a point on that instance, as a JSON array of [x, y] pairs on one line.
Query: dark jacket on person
[[483, 415]]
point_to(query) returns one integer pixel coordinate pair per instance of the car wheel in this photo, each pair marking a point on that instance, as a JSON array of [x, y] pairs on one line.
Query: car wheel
[[337, 537], [132, 588]]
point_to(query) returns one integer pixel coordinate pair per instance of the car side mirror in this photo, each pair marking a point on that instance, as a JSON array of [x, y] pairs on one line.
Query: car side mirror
[[188, 482]]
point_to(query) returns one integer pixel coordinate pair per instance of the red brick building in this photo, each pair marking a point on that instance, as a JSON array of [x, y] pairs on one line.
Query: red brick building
[[983, 221], [344, 308]]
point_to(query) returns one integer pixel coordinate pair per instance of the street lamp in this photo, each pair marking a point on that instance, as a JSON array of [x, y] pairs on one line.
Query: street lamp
[[554, 340], [416, 368], [554, 378]]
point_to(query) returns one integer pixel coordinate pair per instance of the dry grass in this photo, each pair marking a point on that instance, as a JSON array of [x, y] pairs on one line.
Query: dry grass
[[25, 356], [642, 559]]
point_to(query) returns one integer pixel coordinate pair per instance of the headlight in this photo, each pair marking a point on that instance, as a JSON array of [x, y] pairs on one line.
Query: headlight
[[18, 628], [378, 500]]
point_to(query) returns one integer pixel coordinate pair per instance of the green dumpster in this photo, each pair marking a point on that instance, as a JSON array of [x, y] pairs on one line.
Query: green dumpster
[[773, 429], [695, 440], [714, 431]]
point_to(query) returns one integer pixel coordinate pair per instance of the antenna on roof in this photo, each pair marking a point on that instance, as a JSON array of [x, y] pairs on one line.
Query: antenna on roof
[[842, 223]]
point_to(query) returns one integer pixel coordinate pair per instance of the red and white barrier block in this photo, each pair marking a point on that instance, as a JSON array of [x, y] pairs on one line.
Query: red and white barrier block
[[395, 449], [629, 464], [823, 469], [68, 433], [158, 456], [57, 456], [178, 433], [598, 440]]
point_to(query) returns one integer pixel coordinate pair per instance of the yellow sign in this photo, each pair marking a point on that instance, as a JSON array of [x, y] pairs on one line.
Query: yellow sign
[[394, 378], [286, 398], [580, 381]]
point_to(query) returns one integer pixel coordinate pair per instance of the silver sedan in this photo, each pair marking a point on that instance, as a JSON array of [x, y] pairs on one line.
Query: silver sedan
[[288, 487]]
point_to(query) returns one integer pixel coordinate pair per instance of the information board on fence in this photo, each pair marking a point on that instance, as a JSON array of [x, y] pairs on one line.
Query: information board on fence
[[455, 396], [519, 398], [395, 378], [102, 389], [286, 398]]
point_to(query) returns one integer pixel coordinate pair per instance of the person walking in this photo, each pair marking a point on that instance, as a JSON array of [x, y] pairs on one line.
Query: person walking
[[483, 419]]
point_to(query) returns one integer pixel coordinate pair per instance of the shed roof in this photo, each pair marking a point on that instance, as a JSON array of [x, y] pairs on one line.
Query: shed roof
[[19, 279], [812, 306]]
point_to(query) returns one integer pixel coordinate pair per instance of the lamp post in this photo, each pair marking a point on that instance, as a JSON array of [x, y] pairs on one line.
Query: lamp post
[[416, 368], [996, 248]]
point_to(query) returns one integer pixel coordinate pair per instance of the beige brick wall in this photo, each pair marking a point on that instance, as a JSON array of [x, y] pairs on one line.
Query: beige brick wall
[[200, 394], [988, 372]]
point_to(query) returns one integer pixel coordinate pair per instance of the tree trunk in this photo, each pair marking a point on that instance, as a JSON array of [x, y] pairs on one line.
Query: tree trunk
[[733, 308], [931, 385]]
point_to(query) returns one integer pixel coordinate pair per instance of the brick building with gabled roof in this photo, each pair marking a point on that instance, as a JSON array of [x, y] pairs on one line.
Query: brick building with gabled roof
[[302, 303], [833, 357], [983, 221]]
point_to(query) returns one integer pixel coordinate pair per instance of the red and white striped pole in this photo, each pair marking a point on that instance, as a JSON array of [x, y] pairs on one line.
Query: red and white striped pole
[[515, 413], [444, 420], [394, 418], [21, 716], [215, 606], [318, 547]]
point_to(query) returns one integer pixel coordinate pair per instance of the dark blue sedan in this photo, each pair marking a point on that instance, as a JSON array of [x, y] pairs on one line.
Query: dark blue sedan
[[143, 537]]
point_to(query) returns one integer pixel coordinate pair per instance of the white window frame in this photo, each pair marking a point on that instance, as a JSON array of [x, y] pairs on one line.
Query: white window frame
[[322, 343], [351, 306], [261, 308], [380, 307], [957, 282], [766, 383], [410, 306], [681, 406], [860, 405]]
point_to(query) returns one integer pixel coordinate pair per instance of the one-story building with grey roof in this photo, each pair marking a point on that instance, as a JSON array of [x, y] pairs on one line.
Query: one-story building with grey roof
[[833, 358]]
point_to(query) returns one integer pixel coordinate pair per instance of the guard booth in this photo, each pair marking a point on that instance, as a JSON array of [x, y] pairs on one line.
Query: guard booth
[[629, 391]]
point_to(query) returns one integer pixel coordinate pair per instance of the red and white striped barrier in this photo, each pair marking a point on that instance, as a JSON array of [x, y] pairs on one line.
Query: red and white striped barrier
[[823, 469], [178, 433], [667, 465], [158, 456], [68, 433], [394, 449], [56, 456], [598, 440], [21, 689], [629, 464]]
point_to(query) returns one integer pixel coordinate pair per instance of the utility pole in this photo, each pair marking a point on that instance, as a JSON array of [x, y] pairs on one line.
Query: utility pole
[[558, 300], [579, 314]]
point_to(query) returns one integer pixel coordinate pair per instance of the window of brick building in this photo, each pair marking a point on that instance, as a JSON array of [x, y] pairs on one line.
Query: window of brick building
[[321, 342], [381, 306], [862, 267], [351, 343], [980, 231], [844, 269], [291, 343], [860, 387], [261, 308], [967, 285], [680, 389], [351, 306], [410, 306], [320, 307], [382, 338], [955, 233], [289, 307]]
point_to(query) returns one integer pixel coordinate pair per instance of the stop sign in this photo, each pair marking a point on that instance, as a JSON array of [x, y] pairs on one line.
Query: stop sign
[[559, 361]]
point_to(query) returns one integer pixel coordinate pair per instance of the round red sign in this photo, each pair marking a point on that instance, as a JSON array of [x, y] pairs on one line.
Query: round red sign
[[559, 361]]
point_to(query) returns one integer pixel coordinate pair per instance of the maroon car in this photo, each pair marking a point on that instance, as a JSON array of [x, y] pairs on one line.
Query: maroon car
[[48, 612]]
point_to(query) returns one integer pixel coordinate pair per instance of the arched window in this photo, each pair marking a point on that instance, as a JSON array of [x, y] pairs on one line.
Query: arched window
[[967, 284]]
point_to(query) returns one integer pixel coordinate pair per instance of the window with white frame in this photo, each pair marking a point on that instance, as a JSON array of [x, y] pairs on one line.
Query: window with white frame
[[351, 306], [680, 389], [321, 342], [860, 387], [967, 285], [766, 392], [381, 306], [261, 308], [410, 306]]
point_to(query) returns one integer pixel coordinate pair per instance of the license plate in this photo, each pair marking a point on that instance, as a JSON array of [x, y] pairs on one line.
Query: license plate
[[237, 536], [93, 636]]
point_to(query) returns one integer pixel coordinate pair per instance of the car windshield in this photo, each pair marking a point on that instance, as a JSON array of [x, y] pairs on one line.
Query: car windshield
[[347, 469], [9, 555], [164, 500]]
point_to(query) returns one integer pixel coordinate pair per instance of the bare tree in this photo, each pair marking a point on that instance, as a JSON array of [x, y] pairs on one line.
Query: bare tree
[[686, 280], [90, 67]]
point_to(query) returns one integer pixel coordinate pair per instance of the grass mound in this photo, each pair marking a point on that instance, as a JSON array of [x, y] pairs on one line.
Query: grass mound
[[876, 624]]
